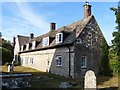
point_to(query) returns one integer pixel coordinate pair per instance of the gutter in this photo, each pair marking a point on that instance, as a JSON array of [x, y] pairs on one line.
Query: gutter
[[69, 62], [45, 48]]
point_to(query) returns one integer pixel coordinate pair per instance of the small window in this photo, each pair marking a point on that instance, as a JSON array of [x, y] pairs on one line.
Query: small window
[[58, 60], [33, 44], [46, 41], [31, 60], [27, 46], [48, 62], [83, 62], [26, 60], [59, 38]]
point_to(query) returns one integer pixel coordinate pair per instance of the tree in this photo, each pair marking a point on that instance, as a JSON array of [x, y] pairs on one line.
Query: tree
[[104, 68], [116, 35], [7, 51], [7, 56], [6, 44]]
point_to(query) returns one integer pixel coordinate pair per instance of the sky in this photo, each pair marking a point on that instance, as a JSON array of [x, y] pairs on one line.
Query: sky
[[23, 18]]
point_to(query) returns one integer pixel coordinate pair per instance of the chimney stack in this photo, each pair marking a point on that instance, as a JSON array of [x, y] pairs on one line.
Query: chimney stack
[[52, 26], [87, 10], [31, 35]]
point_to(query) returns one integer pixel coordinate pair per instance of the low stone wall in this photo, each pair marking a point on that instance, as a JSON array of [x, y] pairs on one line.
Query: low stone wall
[[14, 81]]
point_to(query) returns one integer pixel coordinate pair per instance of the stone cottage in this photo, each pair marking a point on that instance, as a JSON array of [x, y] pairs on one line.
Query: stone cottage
[[68, 51]]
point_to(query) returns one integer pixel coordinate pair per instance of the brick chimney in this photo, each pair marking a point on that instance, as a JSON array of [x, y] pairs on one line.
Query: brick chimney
[[52, 26], [87, 10], [31, 35]]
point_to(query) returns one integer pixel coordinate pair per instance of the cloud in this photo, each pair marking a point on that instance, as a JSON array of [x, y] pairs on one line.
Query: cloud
[[18, 21], [36, 20]]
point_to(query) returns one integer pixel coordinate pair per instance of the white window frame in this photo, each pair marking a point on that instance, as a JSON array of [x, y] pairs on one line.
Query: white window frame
[[27, 46], [26, 60], [45, 41], [21, 48], [33, 44], [83, 62], [58, 39], [31, 60], [58, 60]]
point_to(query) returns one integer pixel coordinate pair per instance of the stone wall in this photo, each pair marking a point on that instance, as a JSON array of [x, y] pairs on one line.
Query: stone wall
[[89, 45], [41, 58]]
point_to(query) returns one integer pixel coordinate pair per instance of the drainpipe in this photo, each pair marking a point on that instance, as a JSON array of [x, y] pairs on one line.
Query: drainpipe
[[69, 62]]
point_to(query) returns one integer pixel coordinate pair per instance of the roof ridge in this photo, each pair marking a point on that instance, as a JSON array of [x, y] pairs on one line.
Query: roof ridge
[[67, 26], [23, 36]]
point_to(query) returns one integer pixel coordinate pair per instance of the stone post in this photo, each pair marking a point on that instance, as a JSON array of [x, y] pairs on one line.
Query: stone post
[[8, 68], [12, 69], [90, 80]]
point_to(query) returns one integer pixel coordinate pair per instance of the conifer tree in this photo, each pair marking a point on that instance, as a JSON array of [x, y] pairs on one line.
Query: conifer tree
[[116, 35]]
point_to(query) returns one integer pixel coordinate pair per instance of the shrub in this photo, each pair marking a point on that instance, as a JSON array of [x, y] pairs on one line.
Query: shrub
[[114, 64]]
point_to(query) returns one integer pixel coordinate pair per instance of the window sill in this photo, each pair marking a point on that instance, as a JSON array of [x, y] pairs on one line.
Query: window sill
[[58, 43], [58, 65], [83, 67]]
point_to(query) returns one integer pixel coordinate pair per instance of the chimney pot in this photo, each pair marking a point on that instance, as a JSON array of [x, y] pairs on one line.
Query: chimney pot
[[87, 10], [31, 35], [52, 26]]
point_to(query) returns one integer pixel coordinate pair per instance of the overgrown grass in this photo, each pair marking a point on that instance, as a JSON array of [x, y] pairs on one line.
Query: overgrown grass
[[107, 82]]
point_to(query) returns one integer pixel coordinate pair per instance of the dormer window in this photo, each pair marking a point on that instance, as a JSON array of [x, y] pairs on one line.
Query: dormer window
[[21, 48], [59, 38], [27, 46], [33, 44], [46, 41]]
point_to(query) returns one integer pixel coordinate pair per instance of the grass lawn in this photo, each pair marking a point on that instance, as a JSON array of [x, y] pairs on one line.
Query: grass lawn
[[39, 79], [19, 69]]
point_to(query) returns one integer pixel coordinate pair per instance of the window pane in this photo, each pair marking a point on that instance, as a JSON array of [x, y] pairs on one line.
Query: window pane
[[60, 38], [26, 60], [31, 60], [58, 60], [83, 61], [46, 41]]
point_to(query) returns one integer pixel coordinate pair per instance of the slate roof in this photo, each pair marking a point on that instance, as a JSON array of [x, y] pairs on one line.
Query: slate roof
[[22, 39], [70, 33]]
